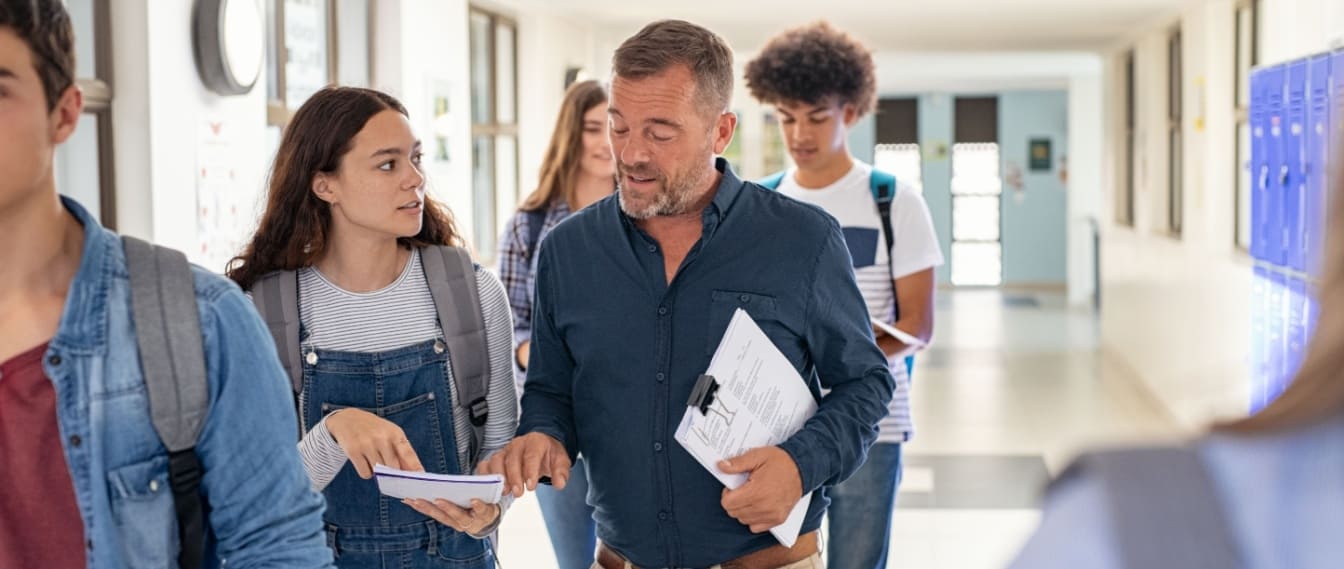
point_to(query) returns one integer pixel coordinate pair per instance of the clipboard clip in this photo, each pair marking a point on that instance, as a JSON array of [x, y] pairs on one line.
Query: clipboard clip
[[702, 395]]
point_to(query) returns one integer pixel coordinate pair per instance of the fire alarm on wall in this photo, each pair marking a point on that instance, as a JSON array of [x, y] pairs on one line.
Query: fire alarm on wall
[[229, 40]]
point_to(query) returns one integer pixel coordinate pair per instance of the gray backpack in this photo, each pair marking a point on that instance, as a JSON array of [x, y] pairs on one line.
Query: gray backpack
[[172, 357], [1165, 511], [452, 282]]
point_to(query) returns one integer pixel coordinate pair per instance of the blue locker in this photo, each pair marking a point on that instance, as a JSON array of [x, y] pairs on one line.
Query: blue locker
[[1313, 313], [1276, 323], [1292, 220], [1335, 144], [1259, 122], [1275, 101], [1296, 336], [1259, 340], [1318, 162]]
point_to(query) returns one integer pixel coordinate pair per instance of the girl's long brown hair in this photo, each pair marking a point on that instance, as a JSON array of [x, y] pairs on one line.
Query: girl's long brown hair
[[294, 228], [1317, 392], [564, 154]]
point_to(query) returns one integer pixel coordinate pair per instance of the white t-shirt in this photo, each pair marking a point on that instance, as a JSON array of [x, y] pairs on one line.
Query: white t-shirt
[[850, 201]]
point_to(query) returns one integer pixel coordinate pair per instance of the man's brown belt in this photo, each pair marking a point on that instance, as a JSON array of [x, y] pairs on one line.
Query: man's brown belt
[[768, 558]]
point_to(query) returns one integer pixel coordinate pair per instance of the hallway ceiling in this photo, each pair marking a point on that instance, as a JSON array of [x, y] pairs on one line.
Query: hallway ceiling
[[907, 25]]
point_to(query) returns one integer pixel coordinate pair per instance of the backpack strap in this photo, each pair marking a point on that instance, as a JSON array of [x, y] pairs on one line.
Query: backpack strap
[[1165, 511], [172, 359], [276, 297], [773, 181], [535, 219], [452, 282], [883, 186]]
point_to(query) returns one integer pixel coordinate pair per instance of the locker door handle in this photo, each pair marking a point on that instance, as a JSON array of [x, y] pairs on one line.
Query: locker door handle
[[1283, 176], [1264, 177]]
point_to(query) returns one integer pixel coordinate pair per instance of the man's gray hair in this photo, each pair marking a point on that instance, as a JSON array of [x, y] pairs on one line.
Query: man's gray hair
[[666, 43]]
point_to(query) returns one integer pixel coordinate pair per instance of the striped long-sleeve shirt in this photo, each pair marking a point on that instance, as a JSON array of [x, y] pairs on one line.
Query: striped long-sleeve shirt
[[361, 322]]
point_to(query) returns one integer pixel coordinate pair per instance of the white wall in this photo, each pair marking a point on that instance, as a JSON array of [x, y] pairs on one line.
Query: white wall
[[160, 109], [547, 46], [420, 48], [1177, 309]]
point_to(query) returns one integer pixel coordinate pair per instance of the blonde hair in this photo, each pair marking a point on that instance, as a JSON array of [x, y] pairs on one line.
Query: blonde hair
[[564, 154], [1317, 392]]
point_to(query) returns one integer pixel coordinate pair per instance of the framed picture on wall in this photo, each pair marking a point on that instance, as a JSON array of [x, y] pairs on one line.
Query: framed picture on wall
[[1040, 160]]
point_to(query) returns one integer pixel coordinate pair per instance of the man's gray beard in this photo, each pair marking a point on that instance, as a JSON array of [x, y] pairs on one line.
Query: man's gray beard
[[663, 204]]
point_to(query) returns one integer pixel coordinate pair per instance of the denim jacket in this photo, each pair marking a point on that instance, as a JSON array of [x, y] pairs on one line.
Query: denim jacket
[[262, 511]]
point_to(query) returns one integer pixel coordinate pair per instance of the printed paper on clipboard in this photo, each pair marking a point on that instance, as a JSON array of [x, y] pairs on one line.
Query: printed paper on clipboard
[[750, 397]]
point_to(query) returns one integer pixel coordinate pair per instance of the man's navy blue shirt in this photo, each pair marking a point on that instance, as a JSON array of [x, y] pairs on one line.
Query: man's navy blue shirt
[[616, 350]]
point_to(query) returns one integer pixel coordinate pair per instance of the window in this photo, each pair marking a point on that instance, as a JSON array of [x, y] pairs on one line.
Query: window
[[315, 43], [1175, 138], [977, 189], [903, 161], [772, 147], [733, 152], [897, 149], [494, 124], [1124, 207], [83, 165], [1247, 56], [977, 252]]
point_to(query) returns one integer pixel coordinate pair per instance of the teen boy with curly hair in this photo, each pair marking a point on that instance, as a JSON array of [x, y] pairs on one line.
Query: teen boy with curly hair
[[821, 81]]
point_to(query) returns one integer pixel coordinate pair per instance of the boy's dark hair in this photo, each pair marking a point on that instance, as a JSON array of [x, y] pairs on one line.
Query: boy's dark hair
[[666, 43], [812, 63], [44, 25]]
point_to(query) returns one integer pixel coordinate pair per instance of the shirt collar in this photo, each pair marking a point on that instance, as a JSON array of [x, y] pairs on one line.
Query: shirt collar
[[84, 319]]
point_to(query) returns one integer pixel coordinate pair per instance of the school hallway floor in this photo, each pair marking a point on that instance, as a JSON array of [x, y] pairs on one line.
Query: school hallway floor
[[1014, 386]]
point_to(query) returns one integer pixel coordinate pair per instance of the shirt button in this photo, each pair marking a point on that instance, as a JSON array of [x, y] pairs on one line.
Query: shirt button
[[89, 544], [662, 516], [744, 298], [661, 377], [75, 440], [658, 447], [653, 248], [54, 360], [153, 486], [662, 311]]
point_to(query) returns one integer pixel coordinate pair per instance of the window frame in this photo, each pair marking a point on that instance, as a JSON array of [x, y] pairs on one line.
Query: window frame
[[278, 112], [1241, 100], [98, 97], [1175, 132], [1124, 214], [495, 129]]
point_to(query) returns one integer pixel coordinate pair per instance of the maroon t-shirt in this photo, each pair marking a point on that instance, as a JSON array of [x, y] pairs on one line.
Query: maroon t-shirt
[[39, 517]]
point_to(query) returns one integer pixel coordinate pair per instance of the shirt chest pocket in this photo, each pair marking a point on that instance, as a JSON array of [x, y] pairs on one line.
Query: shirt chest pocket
[[763, 309], [143, 513]]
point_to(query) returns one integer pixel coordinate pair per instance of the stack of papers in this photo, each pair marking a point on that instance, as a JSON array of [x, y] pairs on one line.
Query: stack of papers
[[761, 401], [912, 344], [458, 489]]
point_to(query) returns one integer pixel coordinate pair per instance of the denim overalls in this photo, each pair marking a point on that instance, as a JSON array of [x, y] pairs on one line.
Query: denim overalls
[[407, 386]]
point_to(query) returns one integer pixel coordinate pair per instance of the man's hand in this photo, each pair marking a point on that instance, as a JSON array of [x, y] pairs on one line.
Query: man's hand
[[773, 488], [526, 460]]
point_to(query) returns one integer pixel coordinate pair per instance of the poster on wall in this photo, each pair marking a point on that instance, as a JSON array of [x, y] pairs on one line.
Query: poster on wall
[[220, 227], [306, 71]]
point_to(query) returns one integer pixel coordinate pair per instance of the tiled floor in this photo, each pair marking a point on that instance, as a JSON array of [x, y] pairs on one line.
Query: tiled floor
[[1010, 391]]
